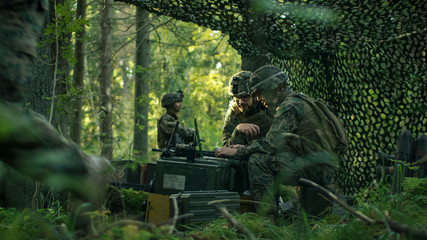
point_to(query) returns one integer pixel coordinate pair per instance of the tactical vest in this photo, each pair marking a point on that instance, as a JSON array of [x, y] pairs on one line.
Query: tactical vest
[[163, 137], [260, 116]]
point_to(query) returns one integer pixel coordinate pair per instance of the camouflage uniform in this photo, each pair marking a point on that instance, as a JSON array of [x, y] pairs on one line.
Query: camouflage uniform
[[165, 126], [167, 122], [258, 115], [20, 24], [294, 147]]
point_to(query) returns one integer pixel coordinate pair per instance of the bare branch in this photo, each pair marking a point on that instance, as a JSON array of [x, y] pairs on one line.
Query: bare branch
[[395, 226], [175, 214], [236, 224]]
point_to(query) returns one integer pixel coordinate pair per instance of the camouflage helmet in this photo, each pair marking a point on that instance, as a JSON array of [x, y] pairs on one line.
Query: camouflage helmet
[[239, 84], [268, 77], [172, 97]]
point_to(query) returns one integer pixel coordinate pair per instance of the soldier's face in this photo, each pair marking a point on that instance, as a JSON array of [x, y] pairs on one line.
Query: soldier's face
[[245, 102], [177, 106], [267, 98]]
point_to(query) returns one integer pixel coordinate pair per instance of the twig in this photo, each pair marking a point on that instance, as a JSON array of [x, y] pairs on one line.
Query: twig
[[395, 226], [184, 216], [239, 200], [236, 224], [420, 161], [175, 214], [56, 64]]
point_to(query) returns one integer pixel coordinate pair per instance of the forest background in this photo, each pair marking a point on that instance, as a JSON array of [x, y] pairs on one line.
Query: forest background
[[103, 66], [113, 84]]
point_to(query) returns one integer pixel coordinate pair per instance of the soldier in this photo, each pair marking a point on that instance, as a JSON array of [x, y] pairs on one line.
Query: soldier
[[297, 145], [172, 101], [246, 118]]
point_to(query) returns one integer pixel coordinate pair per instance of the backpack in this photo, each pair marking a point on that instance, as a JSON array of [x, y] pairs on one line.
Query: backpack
[[322, 108]]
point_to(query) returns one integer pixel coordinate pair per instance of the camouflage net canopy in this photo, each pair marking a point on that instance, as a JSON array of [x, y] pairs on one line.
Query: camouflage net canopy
[[366, 58]]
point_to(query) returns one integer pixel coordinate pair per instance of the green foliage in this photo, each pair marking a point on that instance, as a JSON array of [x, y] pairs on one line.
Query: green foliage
[[28, 224], [404, 208], [134, 233], [221, 228], [200, 62], [128, 201], [63, 25]]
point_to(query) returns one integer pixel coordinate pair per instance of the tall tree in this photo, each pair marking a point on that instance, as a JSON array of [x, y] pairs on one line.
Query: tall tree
[[60, 44], [143, 61], [79, 69], [40, 90], [105, 75]]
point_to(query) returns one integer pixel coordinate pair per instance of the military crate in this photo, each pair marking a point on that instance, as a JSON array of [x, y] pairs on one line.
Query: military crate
[[175, 174], [148, 171], [196, 203]]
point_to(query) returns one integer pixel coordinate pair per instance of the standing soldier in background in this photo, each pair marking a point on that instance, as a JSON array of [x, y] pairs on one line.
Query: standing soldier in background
[[246, 118], [167, 124]]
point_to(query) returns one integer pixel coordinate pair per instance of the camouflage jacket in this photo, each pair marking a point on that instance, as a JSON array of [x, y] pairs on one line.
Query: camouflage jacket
[[165, 126], [296, 128], [258, 115]]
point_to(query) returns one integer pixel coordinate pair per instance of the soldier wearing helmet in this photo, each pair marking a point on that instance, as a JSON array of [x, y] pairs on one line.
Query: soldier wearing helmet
[[172, 101], [246, 118], [295, 147]]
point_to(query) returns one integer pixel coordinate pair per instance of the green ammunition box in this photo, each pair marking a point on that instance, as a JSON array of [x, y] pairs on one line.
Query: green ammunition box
[[148, 171], [196, 204], [175, 174]]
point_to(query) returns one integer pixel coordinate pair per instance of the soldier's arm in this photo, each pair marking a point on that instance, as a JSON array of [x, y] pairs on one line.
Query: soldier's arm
[[187, 133], [167, 124], [230, 135], [286, 120]]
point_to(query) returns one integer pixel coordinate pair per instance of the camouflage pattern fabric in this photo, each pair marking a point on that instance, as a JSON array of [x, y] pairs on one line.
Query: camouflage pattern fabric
[[21, 22], [258, 115], [165, 126], [296, 128], [293, 148], [266, 172]]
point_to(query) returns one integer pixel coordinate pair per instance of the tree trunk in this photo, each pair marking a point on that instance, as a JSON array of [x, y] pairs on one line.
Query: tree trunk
[[105, 76], [36, 95], [79, 69], [142, 85], [61, 108]]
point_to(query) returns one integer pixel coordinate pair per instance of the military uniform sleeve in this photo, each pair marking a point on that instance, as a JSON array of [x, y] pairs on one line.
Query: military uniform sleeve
[[187, 133], [230, 135], [286, 120], [167, 124]]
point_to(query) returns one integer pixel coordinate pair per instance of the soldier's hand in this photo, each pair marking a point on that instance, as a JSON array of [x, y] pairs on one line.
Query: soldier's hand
[[248, 129], [226, 151], [236, 146]]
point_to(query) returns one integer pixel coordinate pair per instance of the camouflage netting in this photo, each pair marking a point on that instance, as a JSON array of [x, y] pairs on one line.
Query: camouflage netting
[[367, 58]]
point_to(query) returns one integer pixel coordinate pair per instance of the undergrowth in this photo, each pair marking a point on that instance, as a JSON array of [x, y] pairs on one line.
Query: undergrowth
[[376, 201]]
